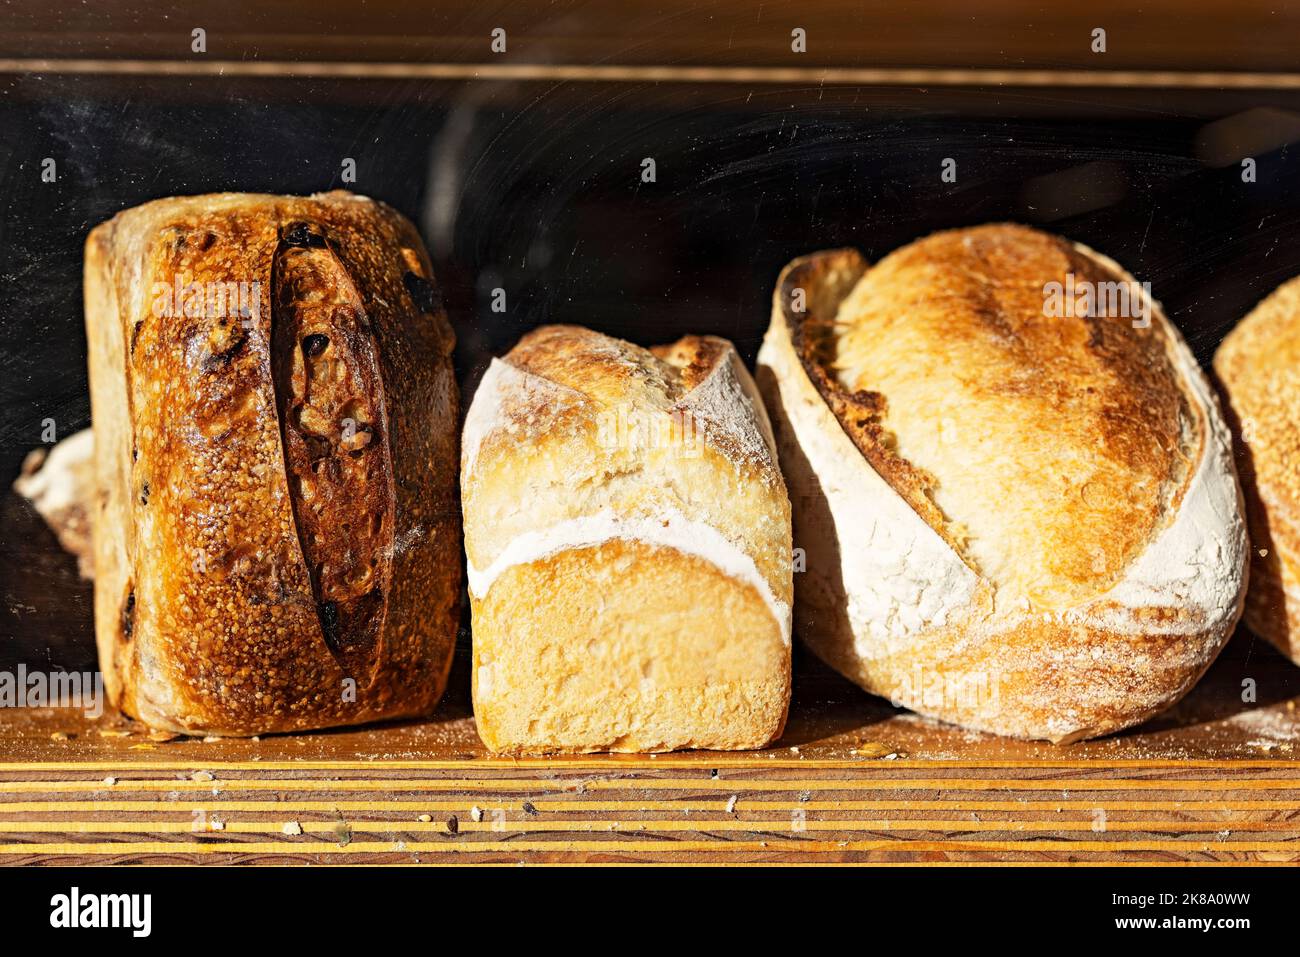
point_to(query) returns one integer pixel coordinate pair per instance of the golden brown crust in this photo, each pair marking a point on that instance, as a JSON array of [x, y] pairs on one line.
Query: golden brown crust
[[1089, 405], [889, 599], [628, 537], [694, 357], [577, 408], [829, 277], [289, 524], [609, 371], [1258, 368], [601, 367]]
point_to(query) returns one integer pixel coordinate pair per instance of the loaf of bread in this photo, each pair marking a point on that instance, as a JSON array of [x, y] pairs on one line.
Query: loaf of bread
[[60, 483], [1258, 367], [628, 536], [1019, 512], [277, 536]]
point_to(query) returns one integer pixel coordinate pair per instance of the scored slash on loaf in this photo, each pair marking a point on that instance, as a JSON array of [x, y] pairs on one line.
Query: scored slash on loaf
[[1019, 522], [628, 542], [277, 543]]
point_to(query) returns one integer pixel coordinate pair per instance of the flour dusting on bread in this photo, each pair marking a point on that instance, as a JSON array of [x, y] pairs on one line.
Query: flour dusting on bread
[[1108, 642], [628, 541]]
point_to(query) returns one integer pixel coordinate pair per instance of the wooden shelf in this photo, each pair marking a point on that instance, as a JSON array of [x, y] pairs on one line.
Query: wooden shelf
[[1215, 780]]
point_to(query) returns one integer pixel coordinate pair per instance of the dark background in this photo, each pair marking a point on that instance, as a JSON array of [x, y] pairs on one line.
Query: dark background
[[534, 186]]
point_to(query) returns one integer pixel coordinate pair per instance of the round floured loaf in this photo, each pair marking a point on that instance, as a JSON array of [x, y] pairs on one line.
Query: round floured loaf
[[1019, 522], [628, 537], [1258, 366]]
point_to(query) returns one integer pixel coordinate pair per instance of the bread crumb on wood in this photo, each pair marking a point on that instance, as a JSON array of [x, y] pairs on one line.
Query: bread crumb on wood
[[293, 829], [343, 833], [871, 749]]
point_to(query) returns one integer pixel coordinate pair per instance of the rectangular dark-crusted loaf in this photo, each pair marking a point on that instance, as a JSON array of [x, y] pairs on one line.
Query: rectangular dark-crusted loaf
[[277, 532]]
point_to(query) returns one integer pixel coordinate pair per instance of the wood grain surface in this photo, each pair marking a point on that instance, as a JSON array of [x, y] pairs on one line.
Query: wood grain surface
[[1215, 781]]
